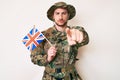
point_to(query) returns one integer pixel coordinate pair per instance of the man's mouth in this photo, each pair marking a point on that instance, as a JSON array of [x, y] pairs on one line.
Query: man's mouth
[[61, 21]]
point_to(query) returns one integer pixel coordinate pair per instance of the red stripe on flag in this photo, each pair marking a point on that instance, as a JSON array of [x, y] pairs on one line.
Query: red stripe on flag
[[32, 39]]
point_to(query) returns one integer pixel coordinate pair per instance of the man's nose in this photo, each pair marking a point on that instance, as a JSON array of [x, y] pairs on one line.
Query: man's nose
[[61, 16]]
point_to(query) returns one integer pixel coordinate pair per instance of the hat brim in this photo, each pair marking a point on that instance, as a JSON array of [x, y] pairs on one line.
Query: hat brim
[[70, 8]]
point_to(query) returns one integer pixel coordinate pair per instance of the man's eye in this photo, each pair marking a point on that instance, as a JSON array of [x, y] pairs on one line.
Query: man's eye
[[64, 13], [57, 13]]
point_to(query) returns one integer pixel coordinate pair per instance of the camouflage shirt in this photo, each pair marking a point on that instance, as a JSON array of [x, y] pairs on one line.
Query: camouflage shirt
[[65, 55]]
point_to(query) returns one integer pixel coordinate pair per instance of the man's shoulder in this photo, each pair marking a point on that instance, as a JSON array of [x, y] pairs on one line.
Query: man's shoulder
[[77, 27], [48, 31]]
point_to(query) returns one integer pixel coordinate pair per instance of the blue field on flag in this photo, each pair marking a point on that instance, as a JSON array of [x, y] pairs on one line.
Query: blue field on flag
[[33, 39]]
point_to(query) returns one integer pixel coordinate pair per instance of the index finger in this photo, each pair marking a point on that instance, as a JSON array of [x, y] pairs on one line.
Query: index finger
[[68, 32]]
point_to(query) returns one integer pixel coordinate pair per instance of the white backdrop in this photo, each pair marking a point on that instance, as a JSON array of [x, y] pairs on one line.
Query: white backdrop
[[99, 60]]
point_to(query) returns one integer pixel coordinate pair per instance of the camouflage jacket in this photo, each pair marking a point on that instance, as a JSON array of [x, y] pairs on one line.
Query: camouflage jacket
[[66, 54]]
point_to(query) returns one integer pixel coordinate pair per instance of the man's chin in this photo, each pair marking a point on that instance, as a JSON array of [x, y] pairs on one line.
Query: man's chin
[[61, 25]]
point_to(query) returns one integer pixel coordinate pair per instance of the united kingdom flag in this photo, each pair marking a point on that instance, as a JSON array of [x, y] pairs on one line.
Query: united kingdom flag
[[33, 39]]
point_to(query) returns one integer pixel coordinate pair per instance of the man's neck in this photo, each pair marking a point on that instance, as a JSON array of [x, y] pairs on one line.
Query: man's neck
[[61, 28]]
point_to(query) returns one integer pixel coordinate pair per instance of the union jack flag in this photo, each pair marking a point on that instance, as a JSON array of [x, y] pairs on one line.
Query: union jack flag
[[33, 39]]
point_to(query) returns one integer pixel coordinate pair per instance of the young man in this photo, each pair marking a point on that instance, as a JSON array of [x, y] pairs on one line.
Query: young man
[[60, 57]]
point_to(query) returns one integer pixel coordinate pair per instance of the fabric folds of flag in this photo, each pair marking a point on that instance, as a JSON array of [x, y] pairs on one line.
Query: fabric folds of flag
[[33, 39]]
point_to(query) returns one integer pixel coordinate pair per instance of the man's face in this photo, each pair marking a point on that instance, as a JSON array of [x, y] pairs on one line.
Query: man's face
[[60, 16]]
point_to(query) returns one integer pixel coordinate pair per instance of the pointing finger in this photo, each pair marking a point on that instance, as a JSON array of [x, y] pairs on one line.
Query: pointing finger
[[68, 32]]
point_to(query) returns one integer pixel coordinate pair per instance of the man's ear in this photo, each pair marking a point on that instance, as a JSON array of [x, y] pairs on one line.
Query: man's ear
[[53, 18], [68, 16]]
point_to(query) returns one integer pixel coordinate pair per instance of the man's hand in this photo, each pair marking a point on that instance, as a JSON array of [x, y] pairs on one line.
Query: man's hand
[[51, 53], [74, 36]]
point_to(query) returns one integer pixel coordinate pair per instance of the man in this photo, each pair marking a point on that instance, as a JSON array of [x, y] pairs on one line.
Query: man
[[60, 57]]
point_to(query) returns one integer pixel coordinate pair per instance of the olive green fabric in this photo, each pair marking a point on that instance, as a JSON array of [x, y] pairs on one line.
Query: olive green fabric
[[71, 9], [65, 56]]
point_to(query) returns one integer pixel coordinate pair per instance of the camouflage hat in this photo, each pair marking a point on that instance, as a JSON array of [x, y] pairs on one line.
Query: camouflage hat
[[71, 9]]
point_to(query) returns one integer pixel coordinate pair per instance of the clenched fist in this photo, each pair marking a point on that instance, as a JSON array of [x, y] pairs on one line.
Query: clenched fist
[[51, 53]]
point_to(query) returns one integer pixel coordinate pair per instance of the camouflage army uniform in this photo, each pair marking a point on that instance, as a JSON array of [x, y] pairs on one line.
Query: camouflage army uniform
[[62, 66]]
